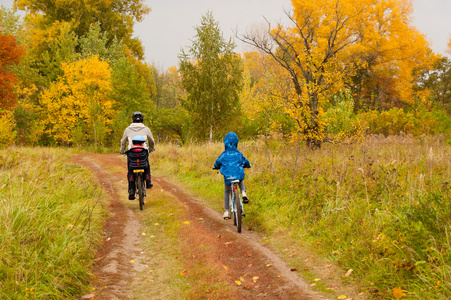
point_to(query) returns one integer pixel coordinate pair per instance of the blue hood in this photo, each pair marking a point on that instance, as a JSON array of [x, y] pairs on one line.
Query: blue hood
[[231, 141], [231, 161]]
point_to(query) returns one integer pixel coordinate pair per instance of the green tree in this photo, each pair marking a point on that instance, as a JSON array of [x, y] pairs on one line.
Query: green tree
[[130, 92], [212, 77], [437, 83], [170, 117]]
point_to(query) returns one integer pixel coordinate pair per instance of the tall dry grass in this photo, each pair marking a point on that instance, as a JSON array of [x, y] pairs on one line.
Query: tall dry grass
[[50, 224], [380, 207]]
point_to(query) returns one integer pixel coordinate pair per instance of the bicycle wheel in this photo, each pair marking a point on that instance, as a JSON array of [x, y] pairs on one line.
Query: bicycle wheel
[[140, 191], [237, 215]]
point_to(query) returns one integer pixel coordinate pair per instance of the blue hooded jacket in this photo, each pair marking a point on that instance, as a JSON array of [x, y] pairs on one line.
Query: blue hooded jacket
[[231, 162]]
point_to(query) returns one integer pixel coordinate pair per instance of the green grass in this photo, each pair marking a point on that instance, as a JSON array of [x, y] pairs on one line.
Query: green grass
[[50, 224], [380, 207]]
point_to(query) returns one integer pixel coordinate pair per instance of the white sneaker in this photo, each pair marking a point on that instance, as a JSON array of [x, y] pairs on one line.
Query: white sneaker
[[226, 215], [244, 196]]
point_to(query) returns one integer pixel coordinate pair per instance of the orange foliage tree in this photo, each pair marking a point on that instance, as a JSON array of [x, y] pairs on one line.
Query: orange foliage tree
[[328, 42], [10, 54]]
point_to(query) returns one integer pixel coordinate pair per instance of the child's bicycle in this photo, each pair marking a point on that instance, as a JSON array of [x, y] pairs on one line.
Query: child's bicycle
[[236, 205]]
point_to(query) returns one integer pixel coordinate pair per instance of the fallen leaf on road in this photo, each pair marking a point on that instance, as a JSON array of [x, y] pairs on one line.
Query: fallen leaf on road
[[184, 272], [186, 222], [238, 282], [398, 293], [349, 272], [329, 265], [269, 265], [255, 278], [225, 267], [293, 269], [156, 224], [341, 297]]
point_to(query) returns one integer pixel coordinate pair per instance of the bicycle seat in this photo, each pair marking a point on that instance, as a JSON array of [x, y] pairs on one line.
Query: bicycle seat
[[235, 181]]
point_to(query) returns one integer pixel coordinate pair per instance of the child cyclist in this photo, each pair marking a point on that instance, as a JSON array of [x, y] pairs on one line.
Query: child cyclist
[[231, 163], [138, 148]]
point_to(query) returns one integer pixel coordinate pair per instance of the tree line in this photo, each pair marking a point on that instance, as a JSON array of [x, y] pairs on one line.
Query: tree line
[[73, 73]]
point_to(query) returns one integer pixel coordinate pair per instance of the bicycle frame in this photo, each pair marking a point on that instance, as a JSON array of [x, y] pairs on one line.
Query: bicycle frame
[[237, 214], [140, 186]]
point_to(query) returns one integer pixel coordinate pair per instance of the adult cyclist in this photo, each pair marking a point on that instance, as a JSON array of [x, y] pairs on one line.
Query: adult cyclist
[[137, 128]]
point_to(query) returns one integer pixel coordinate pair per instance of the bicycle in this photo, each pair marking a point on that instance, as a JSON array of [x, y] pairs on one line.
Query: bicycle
[[137, 159], [236, 205], [140, 186]]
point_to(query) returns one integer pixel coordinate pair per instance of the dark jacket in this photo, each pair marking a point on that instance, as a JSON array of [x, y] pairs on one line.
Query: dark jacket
[[231, 162]]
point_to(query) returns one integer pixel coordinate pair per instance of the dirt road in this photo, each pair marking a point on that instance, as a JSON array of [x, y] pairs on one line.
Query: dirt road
[[236, 255]]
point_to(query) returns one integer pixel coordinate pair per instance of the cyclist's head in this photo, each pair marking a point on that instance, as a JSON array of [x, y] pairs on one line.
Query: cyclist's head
[[138, 140], [231, 141], [137, 117]]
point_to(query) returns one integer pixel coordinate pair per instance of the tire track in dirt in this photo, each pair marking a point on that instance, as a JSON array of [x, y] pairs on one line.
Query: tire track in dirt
[[241, 253], [113, 270]]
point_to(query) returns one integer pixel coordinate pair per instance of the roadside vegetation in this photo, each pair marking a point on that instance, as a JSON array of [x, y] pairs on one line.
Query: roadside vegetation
[[378, 208], [50, 224]]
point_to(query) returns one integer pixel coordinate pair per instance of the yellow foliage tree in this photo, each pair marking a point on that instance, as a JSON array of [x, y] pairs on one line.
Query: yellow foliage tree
[[76, 107], [393, 49], [7, 128], [325, 46]]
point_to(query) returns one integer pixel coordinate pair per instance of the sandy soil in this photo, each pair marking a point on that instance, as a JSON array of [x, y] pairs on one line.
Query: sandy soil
[[123, 239]]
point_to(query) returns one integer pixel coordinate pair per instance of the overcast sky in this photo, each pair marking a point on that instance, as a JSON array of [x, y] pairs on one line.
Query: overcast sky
[[170, 25]]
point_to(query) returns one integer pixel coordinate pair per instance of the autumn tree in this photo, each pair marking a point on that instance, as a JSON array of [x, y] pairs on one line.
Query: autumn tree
[[212, 77], [326, 44], [10, 22], [76, 108], [393, 51], [117, 19], [266, 84], [10, 54]]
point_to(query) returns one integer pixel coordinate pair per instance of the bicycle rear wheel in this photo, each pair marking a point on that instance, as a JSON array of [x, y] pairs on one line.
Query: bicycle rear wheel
[[141, 191], [237, 214]]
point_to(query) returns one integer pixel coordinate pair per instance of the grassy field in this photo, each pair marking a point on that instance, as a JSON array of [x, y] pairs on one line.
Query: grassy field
[[50, 224], [380, 208]]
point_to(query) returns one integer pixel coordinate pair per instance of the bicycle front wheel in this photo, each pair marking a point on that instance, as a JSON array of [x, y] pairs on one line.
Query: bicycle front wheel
[[237, 214], [141, 192]]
